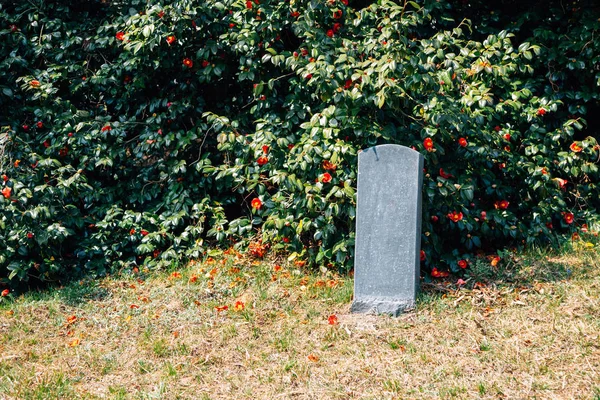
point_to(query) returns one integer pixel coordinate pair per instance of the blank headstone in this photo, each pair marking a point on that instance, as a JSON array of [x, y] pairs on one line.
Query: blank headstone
[[388, 229]]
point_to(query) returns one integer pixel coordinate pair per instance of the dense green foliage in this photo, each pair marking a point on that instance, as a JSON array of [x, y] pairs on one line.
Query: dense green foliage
[[136, 133]]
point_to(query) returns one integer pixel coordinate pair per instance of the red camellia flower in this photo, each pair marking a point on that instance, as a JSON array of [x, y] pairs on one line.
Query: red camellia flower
[[205, 63], [25, 128], [455, 216], [497, 128], [5, 292], [265, 149], [256, 203], [332, 320], [286, 239], [308, 76], [326, 177], [337, 14], [34, 83], [329, 166], [330, 33], [348, 84], [40, 124], [568, 217], [541, 112], [575, 147], [262, 160], [46, 144], [435, 273], [171, 39], [483, 215], [132, 232], [6, 192], [120, 36], [295, 14], [188, 63], [507, 136], [501, 204], [144, 232], [428, 144], [231, 25], [161, 14], [336, 27], [463, 264], [462, 142], [434, 218], [423, 256], [29, 235], [106, 128], [249, 5], [345, 2], [4, 178], [13, 28], [444, 174], [584, 228]]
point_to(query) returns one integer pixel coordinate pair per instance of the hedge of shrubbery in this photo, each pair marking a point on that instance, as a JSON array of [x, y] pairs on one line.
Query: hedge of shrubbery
[[140, 132]]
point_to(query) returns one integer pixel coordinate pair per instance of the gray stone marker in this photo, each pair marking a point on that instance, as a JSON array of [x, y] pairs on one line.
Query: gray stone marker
[[388, 229]]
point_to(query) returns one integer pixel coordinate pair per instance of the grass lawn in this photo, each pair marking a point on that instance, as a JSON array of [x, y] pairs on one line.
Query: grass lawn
[[529, 329]]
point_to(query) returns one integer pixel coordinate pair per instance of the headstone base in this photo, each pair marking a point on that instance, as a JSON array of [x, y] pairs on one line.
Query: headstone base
[[376, 305]]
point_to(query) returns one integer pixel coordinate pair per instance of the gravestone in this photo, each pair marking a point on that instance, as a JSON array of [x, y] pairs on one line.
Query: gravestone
[[388, 229]]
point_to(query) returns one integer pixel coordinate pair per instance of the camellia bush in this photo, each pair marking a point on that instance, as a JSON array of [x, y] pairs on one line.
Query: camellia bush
[[135, 132]]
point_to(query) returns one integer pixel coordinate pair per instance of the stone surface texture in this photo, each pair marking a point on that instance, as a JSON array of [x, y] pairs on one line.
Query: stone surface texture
[[388, 230]]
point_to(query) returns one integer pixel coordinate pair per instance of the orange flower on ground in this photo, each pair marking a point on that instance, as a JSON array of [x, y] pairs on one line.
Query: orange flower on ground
[[439, 274], [495, 260], [463, 264], [501, 204], [193, 278], [74, 343], [262, 160], [71, 319], [428, 144], [332, 320], [171, 39], [313, 358], [460, 282], [462, 142], [221, 308], [277, 268], [239, 306], [575, 147], [455, 216], [176, 275], [5, 293], [326, 177], [6, 192], [256, 203], [134, 306], [120, 36], [34, 83], [188, 62], [568, 217]]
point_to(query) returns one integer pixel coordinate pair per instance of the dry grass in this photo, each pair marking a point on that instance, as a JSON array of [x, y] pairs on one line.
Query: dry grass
[[160, 336]]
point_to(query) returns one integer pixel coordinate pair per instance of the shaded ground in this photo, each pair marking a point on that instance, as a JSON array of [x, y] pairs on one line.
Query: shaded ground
[[161, 336]]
